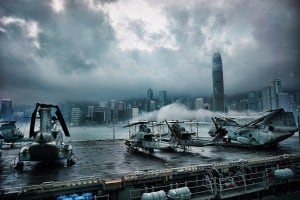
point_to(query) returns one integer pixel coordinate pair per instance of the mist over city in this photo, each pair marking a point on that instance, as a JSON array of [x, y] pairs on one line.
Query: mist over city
[[58, 51]]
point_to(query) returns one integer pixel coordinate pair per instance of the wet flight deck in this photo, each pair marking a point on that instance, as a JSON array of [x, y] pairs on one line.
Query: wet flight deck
[[110, 159]]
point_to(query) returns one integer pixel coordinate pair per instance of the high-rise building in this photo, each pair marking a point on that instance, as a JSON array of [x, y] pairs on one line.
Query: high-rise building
[[149, 94], [270, 96], [252, 101], [103, 104], [135, 112], [149, 99], [152, 105], [277, 84], [121, 105], [90, 113], [199, 103], [162, 98], [218, 84], [75, 116], [113, 104], [241, 105], [6, 110]]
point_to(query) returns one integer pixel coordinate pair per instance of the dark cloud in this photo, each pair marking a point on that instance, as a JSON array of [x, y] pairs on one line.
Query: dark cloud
[[92, 50]]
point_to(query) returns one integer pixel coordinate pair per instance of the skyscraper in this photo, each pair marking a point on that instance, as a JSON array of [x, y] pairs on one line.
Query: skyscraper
[[162, 98], [274, 98], [149, 94], [75, 116], [218, 84], [91, 112], [252, 101], [149, 99], [6, 110], [277, 84]]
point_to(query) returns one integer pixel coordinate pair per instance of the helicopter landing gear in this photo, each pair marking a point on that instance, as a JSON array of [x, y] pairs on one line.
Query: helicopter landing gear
[[70, 162], [19, 166]]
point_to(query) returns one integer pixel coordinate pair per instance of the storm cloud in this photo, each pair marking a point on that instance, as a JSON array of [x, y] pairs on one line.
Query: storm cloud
[[92, 50]]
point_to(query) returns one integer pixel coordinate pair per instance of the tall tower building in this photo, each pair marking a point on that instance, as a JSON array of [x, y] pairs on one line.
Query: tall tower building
[[149, 94], [149, 99], [218, 84]]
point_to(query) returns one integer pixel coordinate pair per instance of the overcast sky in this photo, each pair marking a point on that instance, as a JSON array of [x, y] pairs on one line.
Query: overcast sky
[[52, 51]]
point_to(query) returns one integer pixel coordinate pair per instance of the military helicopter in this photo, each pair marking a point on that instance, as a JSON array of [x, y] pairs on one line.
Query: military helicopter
[[267, 130], [144, 138], [9, 132], [183, 138], [47, 142]]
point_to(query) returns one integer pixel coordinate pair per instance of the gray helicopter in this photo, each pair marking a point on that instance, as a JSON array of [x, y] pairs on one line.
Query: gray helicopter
[[47, 142], [182, 138], [267, 130], [9, 132], [142, 138]]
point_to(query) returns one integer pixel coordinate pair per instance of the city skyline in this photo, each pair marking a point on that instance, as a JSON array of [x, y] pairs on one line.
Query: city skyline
[[85, 50]]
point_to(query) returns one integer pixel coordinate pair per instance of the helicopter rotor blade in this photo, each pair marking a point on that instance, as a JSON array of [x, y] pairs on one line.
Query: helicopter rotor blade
[[174, 134], [220, 131], [215, 123], [32, 121], [62, 121]]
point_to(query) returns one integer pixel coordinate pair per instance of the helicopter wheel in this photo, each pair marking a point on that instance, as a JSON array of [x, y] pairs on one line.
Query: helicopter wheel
[[70, 162], [20, 166], [151, 150]]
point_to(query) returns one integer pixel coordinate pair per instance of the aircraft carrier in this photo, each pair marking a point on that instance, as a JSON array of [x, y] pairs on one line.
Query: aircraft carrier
[[106, 170]]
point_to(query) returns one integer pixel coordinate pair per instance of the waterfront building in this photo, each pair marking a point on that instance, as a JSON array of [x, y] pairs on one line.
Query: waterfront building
[[149, 94], [199, 103], [269, 98], [100, 116], [90, 113], [135, 112], [241, 105], [121, 111], [103, 104], [75, 116], [6, 110], [277, 83], [218, 84], [149, 100], [113, 104], [162, 98], [152, 106], [273, 97], [252, 101]]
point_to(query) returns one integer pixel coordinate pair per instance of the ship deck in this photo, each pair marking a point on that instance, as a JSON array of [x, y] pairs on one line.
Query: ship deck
[[110, 160]]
